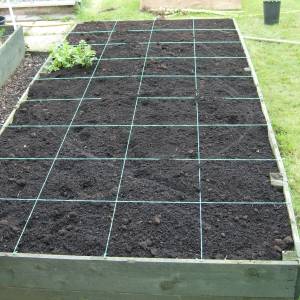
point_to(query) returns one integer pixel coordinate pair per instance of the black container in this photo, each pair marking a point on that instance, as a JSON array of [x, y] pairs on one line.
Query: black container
[[2, 20], [271, 12]]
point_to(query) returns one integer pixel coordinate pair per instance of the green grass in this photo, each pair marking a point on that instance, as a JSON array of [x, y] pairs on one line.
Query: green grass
[[111, 10], [2, 32], [277, 66]]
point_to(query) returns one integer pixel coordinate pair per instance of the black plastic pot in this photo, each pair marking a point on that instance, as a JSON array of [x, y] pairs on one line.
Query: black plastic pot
[[271, 12], [2, 20]]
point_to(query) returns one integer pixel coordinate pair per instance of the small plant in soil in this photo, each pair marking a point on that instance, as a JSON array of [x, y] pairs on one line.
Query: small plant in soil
[[67, 56], [2, 31]]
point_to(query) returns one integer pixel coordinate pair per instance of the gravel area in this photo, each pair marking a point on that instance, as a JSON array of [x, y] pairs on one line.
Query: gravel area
[[19, 81]]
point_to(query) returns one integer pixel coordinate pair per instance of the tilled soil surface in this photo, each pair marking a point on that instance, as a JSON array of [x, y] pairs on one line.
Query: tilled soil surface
[[168, 162], [17, 84]]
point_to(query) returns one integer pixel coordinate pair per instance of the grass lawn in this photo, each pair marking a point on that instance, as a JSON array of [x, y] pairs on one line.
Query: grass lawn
[[277, 66]]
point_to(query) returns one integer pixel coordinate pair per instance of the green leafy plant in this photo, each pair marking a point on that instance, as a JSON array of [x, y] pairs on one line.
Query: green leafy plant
[[67, 56], [2, 32]]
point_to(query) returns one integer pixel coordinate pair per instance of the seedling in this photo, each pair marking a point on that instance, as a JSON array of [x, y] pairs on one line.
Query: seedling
[[2, 32], [67, 56]]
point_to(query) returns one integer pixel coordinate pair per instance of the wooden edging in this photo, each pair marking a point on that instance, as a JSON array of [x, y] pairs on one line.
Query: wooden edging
[[120, 278], [12, 52], [278, 41], [275, 148]]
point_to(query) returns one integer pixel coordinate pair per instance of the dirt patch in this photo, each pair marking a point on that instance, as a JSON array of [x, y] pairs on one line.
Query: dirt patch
[[19, 81], [164, 180], [247, 232], [22, 179], [31, 142], [90, 180], [235, 142], [145, 230], [163, 142], [85, 142], [13, 215], [45, 112], [68, 228], [239, 181]]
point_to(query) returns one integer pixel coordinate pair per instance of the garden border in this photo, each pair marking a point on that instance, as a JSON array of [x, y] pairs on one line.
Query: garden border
[[11, 54], [41, 276]]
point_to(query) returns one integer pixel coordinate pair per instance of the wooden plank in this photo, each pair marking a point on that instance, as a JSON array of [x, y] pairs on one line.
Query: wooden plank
[[30, 294], [11, 54], [161, 277], [38, 294], [297, 290], [280, 41]]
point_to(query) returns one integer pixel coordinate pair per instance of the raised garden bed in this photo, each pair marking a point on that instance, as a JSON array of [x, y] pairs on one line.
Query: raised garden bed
[[12, 50], [149, 173]]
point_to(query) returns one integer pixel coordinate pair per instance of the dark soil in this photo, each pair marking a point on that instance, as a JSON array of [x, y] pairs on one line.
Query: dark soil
[[76, 71], [90, 38], [217, 111], [164, 180], [174, 50], [170, 173], [227, 87], [108, 110], [87, 180], [223, 67], [113, 87], [163, 142], [169, 36], [98, 49], [169, 67], [214, 24], [217, 35], [13, 215], [170, 24], [31, 142], [133, 25], [130, 37], [235, 142], [68, 228], [85, 142], [94, 26], [245, 232], [144, 231], [167, 87], [124, 51], [117, 67], [220, 67], [19, 81], [164, 112], [45, 112], [22, 179], [58, 89], [239, 181], [219, 50]]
